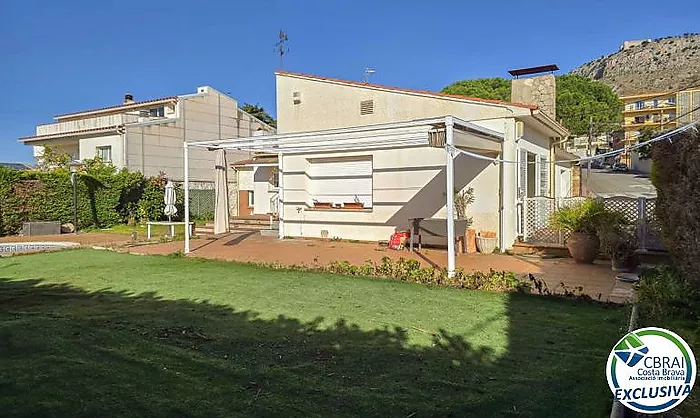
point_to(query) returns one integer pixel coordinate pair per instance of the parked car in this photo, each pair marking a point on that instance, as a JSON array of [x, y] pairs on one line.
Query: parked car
[[619, 167]]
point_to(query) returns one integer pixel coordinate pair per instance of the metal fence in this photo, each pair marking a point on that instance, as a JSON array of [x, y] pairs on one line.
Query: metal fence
[[535, 213]]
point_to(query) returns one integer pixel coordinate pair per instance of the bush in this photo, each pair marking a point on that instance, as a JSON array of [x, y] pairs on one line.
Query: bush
[[675, 172], [584, 217], [664, 294], [104, 197]]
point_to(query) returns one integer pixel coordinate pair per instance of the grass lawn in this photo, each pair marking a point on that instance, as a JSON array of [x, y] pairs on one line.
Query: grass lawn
[[96, 333]]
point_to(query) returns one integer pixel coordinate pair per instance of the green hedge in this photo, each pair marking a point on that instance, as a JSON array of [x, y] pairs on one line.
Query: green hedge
[[104, 197]]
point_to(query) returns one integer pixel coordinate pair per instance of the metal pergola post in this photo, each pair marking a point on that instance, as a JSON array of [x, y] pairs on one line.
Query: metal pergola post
[[187, 198], [450, 185]]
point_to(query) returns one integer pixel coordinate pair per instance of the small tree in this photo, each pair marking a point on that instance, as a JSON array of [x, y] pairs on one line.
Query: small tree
[[260, 113]]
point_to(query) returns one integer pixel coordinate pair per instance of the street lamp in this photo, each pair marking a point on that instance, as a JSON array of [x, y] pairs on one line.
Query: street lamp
[[74, 166]]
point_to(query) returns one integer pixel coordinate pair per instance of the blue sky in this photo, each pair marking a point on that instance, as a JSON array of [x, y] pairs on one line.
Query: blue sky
[[63, 56]]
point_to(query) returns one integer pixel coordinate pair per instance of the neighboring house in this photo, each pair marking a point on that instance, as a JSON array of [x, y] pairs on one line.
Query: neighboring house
[[16, 166], [346, 143], [148, 136], [656, 112]]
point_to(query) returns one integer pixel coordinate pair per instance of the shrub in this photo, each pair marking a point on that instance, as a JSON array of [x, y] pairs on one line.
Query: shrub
[[664, 293], [675, 172], [584, 217]]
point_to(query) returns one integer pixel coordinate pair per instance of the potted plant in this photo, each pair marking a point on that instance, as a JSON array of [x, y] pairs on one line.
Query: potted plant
[[486, 242], [582, 221], [618, 240], [323, 205], [356, 204]]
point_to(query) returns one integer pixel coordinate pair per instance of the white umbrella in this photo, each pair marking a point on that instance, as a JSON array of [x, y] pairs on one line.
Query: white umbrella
[[169, 199], [221, 189]]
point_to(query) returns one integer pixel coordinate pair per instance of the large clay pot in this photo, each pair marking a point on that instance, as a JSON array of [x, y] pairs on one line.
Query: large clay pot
[[583, 247]]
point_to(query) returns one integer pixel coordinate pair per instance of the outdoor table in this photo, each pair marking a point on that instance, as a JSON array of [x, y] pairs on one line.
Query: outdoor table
[[436, 227], [171, 224]]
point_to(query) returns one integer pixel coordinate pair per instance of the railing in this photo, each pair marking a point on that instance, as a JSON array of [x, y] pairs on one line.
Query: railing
[[534, 214], [86, 123]]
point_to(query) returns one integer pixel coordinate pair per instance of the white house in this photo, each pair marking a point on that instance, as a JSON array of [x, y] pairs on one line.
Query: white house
[[148, 136], [397, 153]]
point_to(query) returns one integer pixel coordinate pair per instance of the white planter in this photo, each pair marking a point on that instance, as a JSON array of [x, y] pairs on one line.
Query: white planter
[[485, 245]]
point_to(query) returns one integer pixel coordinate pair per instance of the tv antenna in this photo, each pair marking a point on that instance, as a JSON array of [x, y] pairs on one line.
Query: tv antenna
[[369, 72], [281, 46]]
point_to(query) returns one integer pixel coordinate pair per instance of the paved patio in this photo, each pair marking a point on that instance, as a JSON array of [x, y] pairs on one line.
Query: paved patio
[[597, 280]]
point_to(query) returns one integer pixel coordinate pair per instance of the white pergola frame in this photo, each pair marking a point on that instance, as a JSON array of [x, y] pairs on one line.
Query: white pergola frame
[[370, 137]]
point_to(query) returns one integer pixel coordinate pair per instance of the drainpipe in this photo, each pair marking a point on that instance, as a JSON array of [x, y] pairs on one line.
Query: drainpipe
[[450, 186], [280, 187], [187, 196]]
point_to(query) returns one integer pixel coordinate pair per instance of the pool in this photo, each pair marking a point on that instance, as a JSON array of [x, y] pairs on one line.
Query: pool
[[30, 247]]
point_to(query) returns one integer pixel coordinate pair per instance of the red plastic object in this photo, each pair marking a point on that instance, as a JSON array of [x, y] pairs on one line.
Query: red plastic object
[[398, 240]]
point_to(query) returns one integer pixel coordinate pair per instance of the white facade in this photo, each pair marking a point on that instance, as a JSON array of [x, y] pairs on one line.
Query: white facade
[[410, 182]]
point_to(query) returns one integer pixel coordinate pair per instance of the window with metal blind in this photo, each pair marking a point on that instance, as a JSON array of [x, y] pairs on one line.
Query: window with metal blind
[[341, 180]]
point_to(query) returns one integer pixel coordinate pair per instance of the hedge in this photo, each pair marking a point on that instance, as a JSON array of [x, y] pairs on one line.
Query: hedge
[[675, 174], [104, 197]]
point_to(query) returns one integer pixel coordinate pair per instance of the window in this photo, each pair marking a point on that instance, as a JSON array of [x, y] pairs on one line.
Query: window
[[366, 107], [340, 181], [158, 112], [105, 153], [639, 119], [656, 102], [671, 100], [274, 177], [251, 198], [639, 105], [296, 97]]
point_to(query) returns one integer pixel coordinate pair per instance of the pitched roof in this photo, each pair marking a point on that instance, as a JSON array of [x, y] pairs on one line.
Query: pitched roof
[[267, 159], [403, 90], [16, 166], [124, 106]]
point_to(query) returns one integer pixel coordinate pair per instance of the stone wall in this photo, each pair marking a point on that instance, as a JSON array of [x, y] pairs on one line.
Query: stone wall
[[540, 91]]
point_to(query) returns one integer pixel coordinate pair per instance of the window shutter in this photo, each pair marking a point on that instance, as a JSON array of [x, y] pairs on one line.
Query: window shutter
[[544, 176], [522, 174], [341, 181]]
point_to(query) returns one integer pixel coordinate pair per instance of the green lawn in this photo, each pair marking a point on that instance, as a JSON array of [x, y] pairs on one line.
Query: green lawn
[[96, 333]]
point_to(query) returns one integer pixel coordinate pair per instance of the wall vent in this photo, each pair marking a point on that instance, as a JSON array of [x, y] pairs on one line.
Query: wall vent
[[366, 107], [296, 96]]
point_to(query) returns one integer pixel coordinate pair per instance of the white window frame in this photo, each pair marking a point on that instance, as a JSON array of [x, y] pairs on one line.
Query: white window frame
[[316, 178], [251, 198], [99, 151]]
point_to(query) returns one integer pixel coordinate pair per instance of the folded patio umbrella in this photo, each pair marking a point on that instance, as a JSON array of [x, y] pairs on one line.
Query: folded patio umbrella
[[221, 188], [169, 199]]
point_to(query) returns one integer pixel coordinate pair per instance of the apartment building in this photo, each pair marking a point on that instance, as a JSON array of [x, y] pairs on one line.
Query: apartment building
[[148, 136]]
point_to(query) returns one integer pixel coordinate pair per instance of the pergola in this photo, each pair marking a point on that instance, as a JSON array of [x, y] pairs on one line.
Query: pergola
[[446, 132]]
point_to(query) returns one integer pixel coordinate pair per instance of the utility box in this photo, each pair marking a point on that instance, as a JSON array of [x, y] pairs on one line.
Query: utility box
[[30, 229]]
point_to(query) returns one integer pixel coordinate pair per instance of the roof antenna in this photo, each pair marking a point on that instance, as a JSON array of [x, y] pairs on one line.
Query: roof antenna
[[369, 72], [281, 47]]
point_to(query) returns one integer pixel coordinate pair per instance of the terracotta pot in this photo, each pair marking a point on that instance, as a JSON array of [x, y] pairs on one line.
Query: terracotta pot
[[583, 247], [353, 205]]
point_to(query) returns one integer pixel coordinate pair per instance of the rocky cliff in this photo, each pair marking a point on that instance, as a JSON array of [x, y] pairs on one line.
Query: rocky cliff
[[653, 65]]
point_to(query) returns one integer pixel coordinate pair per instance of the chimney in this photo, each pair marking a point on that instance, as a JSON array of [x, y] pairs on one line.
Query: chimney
[[539, 90], [128, 98]]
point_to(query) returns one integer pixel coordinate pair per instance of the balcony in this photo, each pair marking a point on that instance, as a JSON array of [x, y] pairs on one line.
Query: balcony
[[84, 124]]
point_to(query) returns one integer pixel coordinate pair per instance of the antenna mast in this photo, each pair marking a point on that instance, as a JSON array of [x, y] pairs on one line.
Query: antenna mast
[[369, 72], [281, 46]]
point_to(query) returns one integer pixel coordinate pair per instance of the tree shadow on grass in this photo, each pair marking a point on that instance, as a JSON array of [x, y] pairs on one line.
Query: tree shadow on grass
[[66, 352]]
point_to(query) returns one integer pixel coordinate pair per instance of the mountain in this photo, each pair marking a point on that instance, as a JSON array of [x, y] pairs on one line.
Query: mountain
[[652, 65]]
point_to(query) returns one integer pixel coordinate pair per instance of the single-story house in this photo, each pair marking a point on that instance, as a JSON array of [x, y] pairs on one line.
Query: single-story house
[[373, 157]]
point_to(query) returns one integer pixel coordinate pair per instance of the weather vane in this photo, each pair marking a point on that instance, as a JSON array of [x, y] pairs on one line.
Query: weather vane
[[281, 46]]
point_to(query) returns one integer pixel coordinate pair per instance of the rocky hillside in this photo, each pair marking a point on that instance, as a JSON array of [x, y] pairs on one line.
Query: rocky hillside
[[648, 66]]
